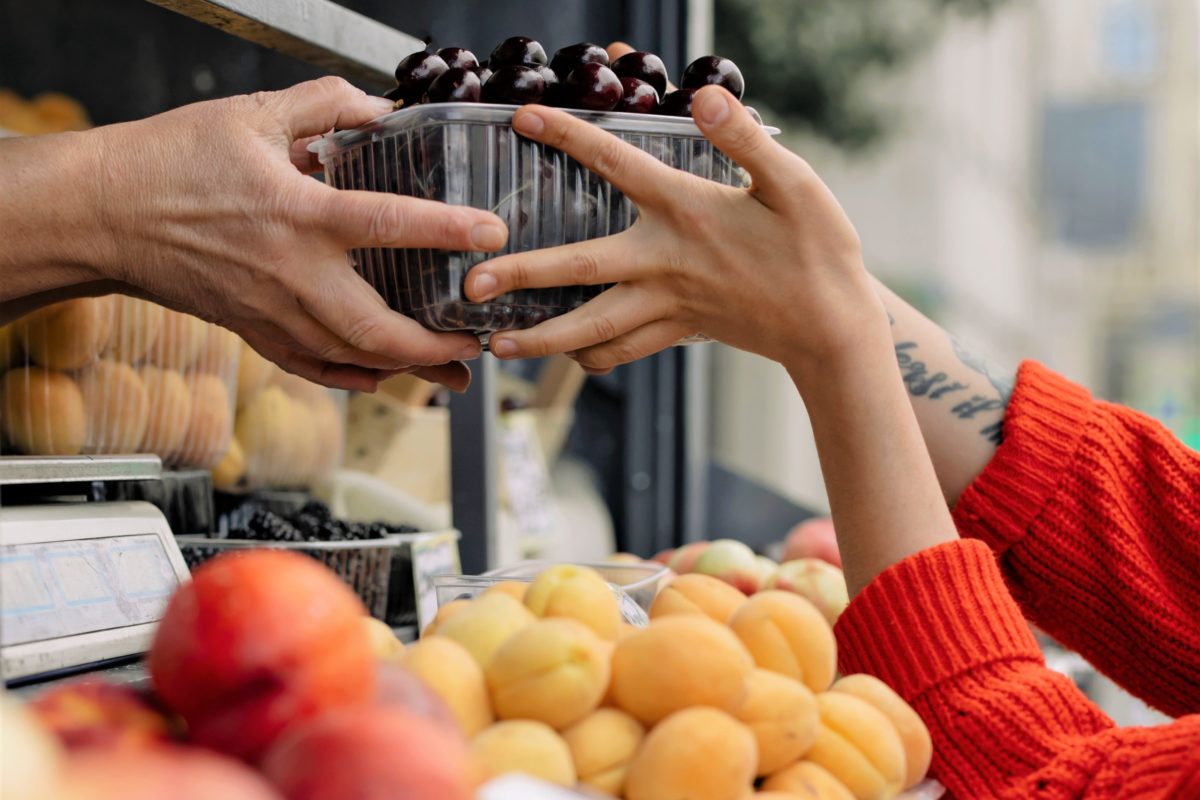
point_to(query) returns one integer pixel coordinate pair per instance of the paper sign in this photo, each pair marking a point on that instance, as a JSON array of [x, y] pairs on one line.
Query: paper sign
[[435, 554]]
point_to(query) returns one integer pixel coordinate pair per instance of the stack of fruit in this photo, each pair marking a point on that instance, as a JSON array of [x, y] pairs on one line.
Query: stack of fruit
[[49, 112], [117, 375], [578, 76]]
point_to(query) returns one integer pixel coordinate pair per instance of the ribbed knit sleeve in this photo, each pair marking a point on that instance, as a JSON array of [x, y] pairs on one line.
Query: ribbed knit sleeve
[[1094, 512], [941, 628]]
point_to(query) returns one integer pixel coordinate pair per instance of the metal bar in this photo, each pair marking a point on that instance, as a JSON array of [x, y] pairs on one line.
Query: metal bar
[[319, 32], [697, 377], [16, 470], [474, 467]]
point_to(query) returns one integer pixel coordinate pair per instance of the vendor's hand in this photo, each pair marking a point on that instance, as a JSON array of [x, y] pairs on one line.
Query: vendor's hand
[[211, 212], [775, 268]]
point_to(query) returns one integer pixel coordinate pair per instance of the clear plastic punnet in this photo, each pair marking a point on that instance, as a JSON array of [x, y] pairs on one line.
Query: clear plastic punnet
[[114, 375], [467, 154]]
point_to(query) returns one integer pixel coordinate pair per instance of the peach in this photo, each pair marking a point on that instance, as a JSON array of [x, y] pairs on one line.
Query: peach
[[180, 342], [697, 594], [698, 754], [579, 593], [683, 559], [455, 676], [731, 561], [67, 335], [117, 405], [43, 412], [210, 427], [821, 583], [369, 752], [807, 781], [766, 568], [254, 372], [94, 714], [227, 475], [664, 556], [859, 746], [258, 641], [170, 403], [30, 758], [525, 746], [813, 538], [384, 643], [484, 625], [554, 671], [514, 589], [787, 634], [782, 715], [677, 662], [444, 612], [602, 746], [136, 328], [918, 747], [175, 772]]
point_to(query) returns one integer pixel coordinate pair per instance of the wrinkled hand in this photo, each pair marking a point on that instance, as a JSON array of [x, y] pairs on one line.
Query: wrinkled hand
[[775, 268], [211, 212]]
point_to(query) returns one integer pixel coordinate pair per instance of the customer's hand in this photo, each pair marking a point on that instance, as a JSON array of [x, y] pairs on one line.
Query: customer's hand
[[775, 268], [209, 211]]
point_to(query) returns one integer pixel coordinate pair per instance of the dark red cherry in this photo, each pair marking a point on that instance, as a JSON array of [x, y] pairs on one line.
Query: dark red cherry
[[416, 72], [568, 59], [677, 104], [592, 86], [514, 85], [459, 57], [714, 70], [553, 86], [639, 97], [645, 67], [455, 85], [484, 73], [517, 51]]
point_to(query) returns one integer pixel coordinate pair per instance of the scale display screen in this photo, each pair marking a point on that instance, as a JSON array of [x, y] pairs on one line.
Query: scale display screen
[[55, 589]]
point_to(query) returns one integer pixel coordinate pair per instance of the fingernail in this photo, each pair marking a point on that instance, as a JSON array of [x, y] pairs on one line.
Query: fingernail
[[714, 108], [383, 105], [529, 123], [485, 286], [488, 236], [470, 352], [503, 348]]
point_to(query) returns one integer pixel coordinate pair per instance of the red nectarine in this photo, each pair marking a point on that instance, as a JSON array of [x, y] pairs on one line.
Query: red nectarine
[[92, 713], [176, 772], [813, 538]]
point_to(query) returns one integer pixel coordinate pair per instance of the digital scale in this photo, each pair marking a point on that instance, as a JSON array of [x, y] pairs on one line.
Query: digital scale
[[82, 584]]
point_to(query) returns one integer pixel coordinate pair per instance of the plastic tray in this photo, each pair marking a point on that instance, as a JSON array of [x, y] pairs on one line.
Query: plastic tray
[[467, 154], [468, 587], [639, 581]]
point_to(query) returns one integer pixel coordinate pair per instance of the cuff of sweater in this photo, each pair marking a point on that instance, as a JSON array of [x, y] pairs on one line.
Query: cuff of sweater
[[1043, 426], [933, 616]]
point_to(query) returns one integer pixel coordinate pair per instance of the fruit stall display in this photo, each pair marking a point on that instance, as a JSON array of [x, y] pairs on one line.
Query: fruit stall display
[[451, 140], [269, 680]]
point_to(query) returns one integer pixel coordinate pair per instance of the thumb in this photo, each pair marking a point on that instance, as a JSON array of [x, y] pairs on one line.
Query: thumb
[[618, 49], [315, 107]]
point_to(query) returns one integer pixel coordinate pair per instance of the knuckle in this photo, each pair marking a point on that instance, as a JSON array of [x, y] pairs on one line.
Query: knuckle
[[585, 269], [603, 328], [362, 332], [622, 353], [332, 84], [386, 223], [610, 157]]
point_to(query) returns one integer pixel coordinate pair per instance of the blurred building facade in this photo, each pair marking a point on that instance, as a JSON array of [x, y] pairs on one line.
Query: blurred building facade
[[1040, 197]]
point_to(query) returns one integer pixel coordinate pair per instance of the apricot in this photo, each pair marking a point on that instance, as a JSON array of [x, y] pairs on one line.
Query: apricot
[[677, 662], [486, 624], [683, 559], [817, 581], [370, 752], [697, 594], [918, 746], [787, 634], [210, 427], [67, 335], [118, 407], [602, 746], [554, 671], [384, 643], [43, 412], [698, 754], [859, 746], [180, 773], [731, 561], [258, 641], [180, 341], [170, 405], [137, 325], [807, 781], [254, 372], [455, 676], [782, 715], [524, 746], [514, 589], [396, 687], [444, 612], [579, 593]]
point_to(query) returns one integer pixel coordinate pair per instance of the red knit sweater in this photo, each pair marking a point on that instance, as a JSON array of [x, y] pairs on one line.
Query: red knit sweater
[[1090, 513]]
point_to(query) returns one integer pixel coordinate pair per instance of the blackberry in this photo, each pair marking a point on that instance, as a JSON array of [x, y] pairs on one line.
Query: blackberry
[[317, 509]]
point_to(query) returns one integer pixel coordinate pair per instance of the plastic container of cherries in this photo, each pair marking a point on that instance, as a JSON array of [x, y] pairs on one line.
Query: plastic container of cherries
[[451, 140]]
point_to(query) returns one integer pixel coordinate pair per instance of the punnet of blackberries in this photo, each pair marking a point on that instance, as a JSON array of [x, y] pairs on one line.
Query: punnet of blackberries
[[312, 523], [579, 76]]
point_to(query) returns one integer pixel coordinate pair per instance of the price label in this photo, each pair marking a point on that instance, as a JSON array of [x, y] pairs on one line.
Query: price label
[[527, 482], [434, 554]]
